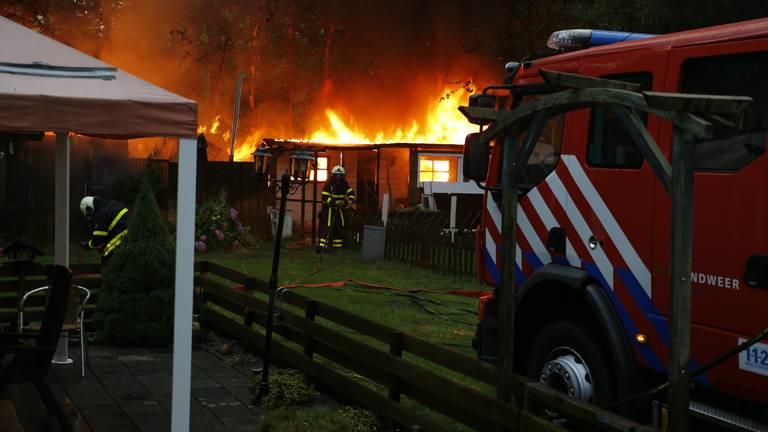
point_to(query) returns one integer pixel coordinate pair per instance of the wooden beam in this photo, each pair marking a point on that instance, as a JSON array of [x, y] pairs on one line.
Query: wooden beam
[[569, 100], [581, 412], [569, 80], [645, 142], [680, 284], [696, 103], [506, 293]]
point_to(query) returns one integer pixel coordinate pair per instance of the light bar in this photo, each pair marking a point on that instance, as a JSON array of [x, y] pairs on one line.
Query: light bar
[[581, 38]]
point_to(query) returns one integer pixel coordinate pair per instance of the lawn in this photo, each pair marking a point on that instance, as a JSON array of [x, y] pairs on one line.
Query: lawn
[[441, 318]]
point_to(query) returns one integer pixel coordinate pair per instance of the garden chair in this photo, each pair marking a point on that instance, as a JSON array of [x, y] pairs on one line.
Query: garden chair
[[73, 322], [26, 357]]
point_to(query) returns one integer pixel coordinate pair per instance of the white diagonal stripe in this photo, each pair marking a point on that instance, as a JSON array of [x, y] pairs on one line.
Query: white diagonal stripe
[[530, 235], [636, 265], [582, 229], [550, 222], [490, 245], [493, 210]]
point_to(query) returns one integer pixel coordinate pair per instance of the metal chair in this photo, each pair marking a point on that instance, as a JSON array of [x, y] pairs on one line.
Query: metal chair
[[73, 323]]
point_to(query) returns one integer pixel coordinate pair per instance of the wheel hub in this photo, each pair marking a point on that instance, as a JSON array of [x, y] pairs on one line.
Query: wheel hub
[[567, 372]]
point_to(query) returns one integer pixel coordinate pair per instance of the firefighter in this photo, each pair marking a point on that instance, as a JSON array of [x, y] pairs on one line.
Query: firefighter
[[337, 196], [110, 225]]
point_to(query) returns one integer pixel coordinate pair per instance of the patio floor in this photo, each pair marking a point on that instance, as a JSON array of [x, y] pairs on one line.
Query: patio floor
[[130, 390]]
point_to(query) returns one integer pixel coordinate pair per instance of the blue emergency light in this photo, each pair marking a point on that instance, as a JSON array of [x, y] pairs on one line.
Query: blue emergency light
[[578, 39]]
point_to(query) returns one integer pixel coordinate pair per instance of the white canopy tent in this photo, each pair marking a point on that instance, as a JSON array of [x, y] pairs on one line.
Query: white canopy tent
[[46, 86]]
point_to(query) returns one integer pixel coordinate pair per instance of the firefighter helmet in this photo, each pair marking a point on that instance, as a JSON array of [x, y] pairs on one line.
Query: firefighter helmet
[[87, 205], [338, 169]]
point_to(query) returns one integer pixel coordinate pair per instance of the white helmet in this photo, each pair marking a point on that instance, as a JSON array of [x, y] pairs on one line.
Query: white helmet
[[87, 206], [338, 169]]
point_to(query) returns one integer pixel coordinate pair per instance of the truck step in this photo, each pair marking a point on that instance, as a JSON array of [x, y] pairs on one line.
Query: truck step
[[725, 418]]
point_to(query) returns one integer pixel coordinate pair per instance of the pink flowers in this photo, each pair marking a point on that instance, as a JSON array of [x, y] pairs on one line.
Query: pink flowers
[[232, 213], [200, 246], [219, 234]]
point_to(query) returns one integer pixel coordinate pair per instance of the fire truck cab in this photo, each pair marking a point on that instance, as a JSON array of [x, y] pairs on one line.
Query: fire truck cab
[[593, 227]]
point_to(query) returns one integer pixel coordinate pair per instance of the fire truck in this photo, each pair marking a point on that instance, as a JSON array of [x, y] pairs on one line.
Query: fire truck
[[592, 263]]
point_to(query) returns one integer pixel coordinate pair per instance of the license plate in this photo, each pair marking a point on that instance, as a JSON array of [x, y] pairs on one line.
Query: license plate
[[754, 359]]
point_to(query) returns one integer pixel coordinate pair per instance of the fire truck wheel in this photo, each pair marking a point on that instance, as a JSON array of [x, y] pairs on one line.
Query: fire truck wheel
[[565, 356]]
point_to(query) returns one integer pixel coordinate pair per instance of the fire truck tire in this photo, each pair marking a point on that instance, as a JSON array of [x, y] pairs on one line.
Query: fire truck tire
[[564, 355]]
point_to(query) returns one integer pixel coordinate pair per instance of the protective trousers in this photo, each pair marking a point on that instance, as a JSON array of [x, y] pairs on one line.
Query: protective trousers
[[332, 228]]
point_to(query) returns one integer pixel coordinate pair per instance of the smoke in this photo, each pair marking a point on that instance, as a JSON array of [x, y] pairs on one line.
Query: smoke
[[379, 65]]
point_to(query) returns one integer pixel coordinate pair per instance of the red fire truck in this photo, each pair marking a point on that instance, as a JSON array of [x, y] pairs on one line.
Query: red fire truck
[[593, 226]]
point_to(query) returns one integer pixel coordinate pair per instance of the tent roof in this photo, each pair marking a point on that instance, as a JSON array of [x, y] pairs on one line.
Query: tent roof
[[112, 103]]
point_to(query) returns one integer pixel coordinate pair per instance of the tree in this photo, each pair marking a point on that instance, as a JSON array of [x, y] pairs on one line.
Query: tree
[[135, 305]]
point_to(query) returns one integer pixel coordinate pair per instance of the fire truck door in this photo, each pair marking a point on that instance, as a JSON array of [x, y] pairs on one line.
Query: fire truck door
[[730, 193], [618, 206]]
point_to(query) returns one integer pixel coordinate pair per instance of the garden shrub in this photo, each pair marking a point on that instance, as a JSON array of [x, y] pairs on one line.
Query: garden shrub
[[135, 302], [346, 419], [217, 225], [286, 388]]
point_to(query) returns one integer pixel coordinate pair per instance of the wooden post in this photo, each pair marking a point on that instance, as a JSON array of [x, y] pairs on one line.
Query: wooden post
[[680, 285], [396, 349], [303, 209], [310, 312], [507, 288], [314, 205]]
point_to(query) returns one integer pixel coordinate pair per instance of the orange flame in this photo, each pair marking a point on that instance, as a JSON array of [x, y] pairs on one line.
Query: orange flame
[[442, 124]]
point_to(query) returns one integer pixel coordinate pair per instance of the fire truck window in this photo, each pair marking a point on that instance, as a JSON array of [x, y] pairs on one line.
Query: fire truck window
[[737, 145], [322, 169], [545, 154], [610, 145]]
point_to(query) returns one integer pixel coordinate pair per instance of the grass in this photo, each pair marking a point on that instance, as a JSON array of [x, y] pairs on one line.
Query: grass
[[440, 318]]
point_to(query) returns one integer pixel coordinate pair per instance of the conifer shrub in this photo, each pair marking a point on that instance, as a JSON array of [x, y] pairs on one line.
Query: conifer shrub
[[135, 301]]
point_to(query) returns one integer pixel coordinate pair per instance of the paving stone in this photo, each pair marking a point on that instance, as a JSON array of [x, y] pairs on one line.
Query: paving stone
[[212, 394], [243, 424], [233, 382], [242, 393], [203, 383], [233, 409]]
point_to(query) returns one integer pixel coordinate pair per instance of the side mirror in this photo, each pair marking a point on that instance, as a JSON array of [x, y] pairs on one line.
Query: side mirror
[[482, 101], [476, 154]]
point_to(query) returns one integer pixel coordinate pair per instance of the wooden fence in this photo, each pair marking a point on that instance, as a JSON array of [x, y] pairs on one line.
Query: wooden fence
[[381, 374], [425, 239]]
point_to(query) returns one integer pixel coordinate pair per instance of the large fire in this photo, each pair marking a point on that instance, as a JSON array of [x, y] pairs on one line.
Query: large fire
[[442, 123]]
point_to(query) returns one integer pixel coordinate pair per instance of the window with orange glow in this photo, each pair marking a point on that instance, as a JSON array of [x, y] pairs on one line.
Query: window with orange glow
[[322, 170], [437, 168]]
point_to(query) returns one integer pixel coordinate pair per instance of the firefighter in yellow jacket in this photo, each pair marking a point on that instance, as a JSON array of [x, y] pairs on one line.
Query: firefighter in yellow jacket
[[337, 197], [110, 225]]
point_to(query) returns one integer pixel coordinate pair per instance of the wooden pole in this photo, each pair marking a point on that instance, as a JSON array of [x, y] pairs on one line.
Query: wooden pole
[[507, 288], [680, 285], [314, 205], [235, 115]]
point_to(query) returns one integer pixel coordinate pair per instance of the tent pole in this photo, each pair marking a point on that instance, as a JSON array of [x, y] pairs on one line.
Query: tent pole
[[185, 264], [61, 230]]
